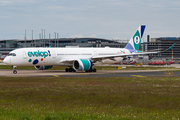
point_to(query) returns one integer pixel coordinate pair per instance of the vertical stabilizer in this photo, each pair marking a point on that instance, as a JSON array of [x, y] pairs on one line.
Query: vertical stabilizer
[[135, 40]]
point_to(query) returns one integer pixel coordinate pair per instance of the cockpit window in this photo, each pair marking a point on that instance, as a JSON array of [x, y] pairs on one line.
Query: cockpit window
[[11, 54]]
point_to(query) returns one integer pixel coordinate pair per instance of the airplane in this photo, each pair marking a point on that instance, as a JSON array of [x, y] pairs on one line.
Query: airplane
[[76, 59]]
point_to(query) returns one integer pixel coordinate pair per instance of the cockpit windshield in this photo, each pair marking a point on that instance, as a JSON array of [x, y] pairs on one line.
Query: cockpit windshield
[[11, 54]]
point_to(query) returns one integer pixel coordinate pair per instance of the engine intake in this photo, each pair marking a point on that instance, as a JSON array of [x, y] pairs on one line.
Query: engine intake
[[82, 65], [43, 67]]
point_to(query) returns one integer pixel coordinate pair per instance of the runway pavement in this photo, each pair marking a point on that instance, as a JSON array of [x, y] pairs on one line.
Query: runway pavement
[[100, 73]]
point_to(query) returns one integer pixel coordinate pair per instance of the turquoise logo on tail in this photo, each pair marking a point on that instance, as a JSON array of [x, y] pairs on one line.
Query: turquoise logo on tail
[[137, 40]]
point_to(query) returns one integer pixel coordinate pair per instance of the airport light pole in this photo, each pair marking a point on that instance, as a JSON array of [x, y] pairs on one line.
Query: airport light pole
[[172, 53], [25, 38], [49, 39], [44, 37], [32, 34], [39, 39], [55, 38], [32, 38]]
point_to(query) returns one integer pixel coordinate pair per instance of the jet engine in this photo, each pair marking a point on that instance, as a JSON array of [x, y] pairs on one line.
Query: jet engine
[[43, 67], [82, 65]]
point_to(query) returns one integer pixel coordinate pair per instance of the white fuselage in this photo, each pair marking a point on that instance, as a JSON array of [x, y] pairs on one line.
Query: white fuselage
[[57, 56]]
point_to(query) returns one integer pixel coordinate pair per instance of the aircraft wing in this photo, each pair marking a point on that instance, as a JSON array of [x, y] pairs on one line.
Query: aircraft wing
[[101, 57], [96, 58], [120, 55]]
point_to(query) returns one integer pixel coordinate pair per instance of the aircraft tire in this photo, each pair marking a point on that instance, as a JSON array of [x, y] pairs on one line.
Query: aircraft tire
[[67, 70], [70, 69], [15, 71], [94, 70]]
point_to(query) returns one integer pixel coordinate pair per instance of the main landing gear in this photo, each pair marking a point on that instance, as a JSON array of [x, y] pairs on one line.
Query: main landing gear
[[70, 70], [91, 70], [14, 69], [73, 70]]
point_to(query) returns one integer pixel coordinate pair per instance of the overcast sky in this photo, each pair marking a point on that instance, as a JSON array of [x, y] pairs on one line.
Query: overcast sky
[[111, 19]]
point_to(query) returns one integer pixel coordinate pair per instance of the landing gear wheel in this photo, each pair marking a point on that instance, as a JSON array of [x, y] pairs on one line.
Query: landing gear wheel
[[67, 70], [90, 70], [94, 70], [70, 69], [14, 71]]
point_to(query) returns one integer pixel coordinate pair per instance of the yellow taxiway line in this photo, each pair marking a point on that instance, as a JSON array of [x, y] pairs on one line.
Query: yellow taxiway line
[[138, 76]]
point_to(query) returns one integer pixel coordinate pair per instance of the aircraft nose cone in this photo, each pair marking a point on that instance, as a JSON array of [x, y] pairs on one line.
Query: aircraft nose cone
[[7, 60]]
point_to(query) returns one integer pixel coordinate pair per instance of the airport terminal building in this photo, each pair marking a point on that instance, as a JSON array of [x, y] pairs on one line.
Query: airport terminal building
[[161, 44], [164, 43], [8, 45]]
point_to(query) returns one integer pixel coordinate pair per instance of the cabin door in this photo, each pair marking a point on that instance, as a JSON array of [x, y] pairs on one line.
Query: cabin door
[[53, 54], [24, 55], [95, 53]]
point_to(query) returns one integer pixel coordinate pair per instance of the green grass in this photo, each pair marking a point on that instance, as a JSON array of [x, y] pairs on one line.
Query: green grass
[[118, 98]]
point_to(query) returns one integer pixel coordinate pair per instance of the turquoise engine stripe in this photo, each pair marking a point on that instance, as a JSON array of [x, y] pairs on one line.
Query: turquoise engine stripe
[[86, 64]]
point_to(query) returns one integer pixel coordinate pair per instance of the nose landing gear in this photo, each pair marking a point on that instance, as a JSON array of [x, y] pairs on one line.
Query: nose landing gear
[[14, 69]]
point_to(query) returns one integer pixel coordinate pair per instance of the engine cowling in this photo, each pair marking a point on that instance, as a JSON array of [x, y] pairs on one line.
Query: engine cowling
[[82, 65], [43, 67]]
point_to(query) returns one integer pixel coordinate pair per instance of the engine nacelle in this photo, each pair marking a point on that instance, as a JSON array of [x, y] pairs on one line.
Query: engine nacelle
[[43, 67], [82, 65]]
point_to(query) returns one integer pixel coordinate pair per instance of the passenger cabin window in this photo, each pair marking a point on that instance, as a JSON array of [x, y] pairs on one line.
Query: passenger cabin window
[[11, 54]]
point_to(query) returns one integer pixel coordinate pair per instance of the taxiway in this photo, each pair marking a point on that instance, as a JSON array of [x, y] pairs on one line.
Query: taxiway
[[100, 73]]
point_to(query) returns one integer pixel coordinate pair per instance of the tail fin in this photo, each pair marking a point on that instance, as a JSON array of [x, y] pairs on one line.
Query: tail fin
[[135, 40]]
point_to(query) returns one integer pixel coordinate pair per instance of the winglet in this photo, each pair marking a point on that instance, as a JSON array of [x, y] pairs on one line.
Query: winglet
[[170, 48]]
